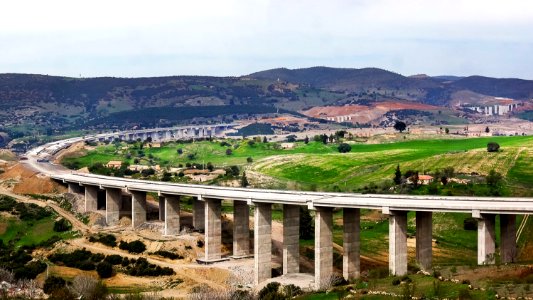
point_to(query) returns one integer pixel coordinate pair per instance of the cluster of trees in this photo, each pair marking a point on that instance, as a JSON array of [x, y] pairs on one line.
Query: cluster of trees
[[104, 238], [132, 247], [490, 186], [107, 265], [26, 212]]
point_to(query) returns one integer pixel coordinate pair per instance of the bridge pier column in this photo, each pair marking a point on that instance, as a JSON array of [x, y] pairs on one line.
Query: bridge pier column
[[291, 239], [508, 250], [424, 234], [161, 208], [138, 208], [323, 246], [398, 243], [198, 214], [241, 229], [73, 188], [91, 198], [351, 243], [262, 242], [486, 240], [113, 199], [172, 214], [213, 229]]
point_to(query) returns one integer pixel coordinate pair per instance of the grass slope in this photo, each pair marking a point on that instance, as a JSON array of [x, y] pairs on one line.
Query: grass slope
[[367, 164]]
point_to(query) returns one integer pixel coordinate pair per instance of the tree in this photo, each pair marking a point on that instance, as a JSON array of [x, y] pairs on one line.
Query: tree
[[325, 139], [104, 269], [447, 130], [400, 126], [249, 160], [344, 148], [61, 225], [265, 139], [306, 140], [291, 138], [210, 167], [244, 180], [487, 129], [180, 151], [493, 147], [229, 151], [398, 175], [52, 284]]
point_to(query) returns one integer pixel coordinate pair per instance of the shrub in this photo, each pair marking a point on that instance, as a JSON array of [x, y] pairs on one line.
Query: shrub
[[62, 225], [168, 254], [106, 239], [133, 247], [493, 147], [200, 244], [52, 284], [396, 281], [104, 269], [113, 259], [344, 148], [270, 291], [229, 151], [30, 270]]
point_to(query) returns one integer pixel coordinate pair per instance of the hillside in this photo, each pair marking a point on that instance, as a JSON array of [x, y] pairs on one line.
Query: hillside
[[33, 105]]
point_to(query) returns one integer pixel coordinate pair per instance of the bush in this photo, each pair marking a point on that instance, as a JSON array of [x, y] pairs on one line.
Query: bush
[[30, 270], [168, 254], [200, 244], [52, 284], [106, 239], [344, 148], [229, 151], [493, 147], [104, 269], [62, 225], [270, 291], [133, 247], [113, 259]]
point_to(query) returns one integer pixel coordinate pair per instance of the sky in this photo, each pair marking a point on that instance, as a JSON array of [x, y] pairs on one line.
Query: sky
[[132, 38]]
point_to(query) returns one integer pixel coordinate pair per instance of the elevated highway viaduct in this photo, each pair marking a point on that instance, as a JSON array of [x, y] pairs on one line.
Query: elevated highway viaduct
[[207, 217]]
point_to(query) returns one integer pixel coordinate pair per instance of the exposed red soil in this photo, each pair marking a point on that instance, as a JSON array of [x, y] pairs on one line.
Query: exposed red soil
[[23, 180]]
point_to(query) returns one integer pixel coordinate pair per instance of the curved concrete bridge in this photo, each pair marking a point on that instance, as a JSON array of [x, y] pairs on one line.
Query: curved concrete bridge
[[207, 217]]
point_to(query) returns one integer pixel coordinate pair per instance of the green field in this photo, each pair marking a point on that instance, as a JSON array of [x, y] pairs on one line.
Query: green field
[[316, 166], [27, 233], [370, 164]]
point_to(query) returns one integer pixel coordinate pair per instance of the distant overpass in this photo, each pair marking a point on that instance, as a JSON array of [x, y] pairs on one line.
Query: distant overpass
[[207, 217]]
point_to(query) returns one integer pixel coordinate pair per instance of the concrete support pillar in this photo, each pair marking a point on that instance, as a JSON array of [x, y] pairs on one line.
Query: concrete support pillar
[[351, 268], [138, 208], [262, 242], [398, 243], [213, 229], [161, 208], [486, 240], [241, 229], [73, 188], [198, 214], [291, 239], [508, 250], [172, 214], [424, 234], [323, 246], [91, 198], [113, 198]]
